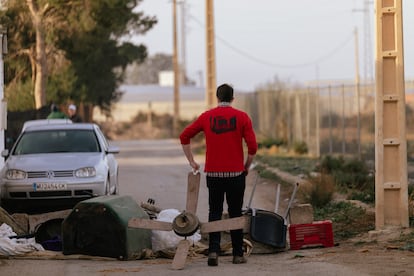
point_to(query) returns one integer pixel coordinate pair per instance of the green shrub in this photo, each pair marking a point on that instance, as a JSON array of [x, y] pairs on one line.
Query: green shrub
[[269, 142], [364, 196], [300, 147], [351, 174], [293, 165], [320, 190], [330, 164], [347, 219], [268, 175]]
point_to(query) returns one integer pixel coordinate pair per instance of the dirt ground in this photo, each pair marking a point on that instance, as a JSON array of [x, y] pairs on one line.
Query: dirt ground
[[375, 253]]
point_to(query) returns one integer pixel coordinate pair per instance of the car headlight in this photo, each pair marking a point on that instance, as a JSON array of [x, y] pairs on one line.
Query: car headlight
[[15, 174], [85, 172]]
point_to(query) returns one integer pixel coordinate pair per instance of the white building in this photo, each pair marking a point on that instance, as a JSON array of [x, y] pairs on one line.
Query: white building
[[158, 99]]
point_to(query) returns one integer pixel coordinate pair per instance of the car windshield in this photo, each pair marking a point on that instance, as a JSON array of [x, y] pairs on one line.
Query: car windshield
[[54, 141]]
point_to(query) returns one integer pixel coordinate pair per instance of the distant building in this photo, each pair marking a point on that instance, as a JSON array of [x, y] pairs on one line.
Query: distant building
[[158, 99], [166, 78]]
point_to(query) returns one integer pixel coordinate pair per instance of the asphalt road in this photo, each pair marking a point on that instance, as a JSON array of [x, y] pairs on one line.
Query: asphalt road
[[158, 170]]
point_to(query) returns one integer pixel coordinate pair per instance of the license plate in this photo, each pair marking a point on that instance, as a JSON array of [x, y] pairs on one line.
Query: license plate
[[49, 186]]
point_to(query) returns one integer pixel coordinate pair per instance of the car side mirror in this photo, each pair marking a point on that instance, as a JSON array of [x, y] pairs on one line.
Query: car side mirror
[[113, 150]]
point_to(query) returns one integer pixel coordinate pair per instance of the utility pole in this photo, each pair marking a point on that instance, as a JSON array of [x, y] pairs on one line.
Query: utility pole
[[183, 43], [343, 120], [176, 115], [3, 105], [391, 183], [211, 56], [368, 64]]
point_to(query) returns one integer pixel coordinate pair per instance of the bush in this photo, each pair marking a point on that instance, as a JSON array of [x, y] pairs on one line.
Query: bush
[[300, 147], [351, 174], [347, 219], [293, 165], [320, 190], [330, 164], [269, 142]]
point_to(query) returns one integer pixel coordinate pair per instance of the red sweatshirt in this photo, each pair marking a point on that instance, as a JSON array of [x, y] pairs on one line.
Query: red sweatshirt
[[224, 128]]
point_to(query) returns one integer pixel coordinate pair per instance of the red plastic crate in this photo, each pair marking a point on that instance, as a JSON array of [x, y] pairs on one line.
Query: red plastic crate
[[318, 233]]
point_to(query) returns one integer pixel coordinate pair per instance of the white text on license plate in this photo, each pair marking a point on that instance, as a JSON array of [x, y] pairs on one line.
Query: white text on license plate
[[49, 186]]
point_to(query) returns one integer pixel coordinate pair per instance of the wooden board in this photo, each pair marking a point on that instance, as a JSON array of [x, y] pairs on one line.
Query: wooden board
[[193, 188], [242, 222], [149, 224], [180, 256]]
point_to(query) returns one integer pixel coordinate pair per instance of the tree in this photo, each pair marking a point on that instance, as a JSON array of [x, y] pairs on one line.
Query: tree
[[94, 49], [40, 66], [72, 48], [32, 48]]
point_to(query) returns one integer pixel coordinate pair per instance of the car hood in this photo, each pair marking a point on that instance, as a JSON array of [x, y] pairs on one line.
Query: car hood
[[57, 161]]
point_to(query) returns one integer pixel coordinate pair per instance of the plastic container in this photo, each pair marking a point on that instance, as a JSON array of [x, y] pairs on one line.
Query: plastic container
[[99, 227], [318, 233]]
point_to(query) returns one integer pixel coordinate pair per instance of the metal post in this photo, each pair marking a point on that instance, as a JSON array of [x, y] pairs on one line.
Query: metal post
[[308, 118], [317, 119], [330, 121], [3, 106], [317, 127], [358, 92]]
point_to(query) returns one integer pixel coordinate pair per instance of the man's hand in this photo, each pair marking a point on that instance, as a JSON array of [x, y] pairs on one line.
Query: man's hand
[[194, 165]]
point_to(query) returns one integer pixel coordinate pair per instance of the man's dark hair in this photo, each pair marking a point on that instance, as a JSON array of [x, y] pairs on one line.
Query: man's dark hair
[[225, 93]]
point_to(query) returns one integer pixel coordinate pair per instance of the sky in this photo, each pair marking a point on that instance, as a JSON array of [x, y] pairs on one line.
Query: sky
[[295, 41]]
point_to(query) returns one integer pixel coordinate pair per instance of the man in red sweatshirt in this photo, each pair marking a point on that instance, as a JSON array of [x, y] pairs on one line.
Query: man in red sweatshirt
[[224, 128]]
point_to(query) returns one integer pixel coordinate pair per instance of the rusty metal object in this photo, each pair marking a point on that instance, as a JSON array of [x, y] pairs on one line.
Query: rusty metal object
[[185, 224]]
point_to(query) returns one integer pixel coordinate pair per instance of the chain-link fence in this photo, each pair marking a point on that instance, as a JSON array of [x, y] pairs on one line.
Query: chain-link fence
[[330, 119]]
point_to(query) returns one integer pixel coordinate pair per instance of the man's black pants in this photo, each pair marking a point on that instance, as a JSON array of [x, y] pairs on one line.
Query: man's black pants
[[233, 189]]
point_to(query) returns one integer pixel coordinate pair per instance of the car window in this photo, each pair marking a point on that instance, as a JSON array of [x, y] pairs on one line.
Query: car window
[[54, 141], [102, 136]]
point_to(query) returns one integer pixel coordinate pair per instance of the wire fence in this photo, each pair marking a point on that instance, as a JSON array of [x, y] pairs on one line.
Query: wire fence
[[330, 119]]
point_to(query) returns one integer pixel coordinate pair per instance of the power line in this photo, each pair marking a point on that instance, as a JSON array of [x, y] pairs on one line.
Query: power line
[[264, 62]]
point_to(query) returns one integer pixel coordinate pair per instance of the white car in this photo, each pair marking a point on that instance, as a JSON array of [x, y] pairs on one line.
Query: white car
[[56, 163]]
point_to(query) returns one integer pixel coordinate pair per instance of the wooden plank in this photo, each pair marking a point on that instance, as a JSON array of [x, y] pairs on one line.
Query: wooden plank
[[56, 255], [180, 256], [193, 188], [5, 217], [242, 222], [149, 224]]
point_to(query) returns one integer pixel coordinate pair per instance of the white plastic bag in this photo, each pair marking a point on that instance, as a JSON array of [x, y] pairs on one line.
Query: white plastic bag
[[10, 247], [163, 240]]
